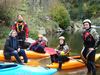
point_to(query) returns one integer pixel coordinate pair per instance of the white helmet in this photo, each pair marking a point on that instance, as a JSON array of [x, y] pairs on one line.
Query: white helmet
[[62, 37], [87, 20]]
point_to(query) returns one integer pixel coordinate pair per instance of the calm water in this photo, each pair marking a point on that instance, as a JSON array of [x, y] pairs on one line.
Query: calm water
[[74, 41], [79, 71]]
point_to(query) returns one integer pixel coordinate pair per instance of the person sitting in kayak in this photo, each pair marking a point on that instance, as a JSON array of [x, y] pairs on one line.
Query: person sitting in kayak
[[22, 30], [62, 51], [12, 48], [39, 44]]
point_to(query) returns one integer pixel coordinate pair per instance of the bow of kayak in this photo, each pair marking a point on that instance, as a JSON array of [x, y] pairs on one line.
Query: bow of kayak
[[32, 54], [72, 63], [15, 69]]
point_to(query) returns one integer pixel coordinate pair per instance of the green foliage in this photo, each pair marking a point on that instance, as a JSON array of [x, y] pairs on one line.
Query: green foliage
[[73, 14], [4, 16], [60, 14], [2, 42], [4, 31], [81, 9], [96, 21], [33, 35]]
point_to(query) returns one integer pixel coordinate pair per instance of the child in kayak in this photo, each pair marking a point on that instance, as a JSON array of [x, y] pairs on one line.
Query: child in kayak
[[39, 45], [12, 48], [62, 51]]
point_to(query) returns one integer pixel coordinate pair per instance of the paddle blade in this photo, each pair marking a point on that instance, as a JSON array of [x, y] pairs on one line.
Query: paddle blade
[[50, 51]]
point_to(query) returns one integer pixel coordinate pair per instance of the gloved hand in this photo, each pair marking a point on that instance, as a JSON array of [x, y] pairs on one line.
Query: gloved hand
[[62, 53], [56, 50], [28, 49]]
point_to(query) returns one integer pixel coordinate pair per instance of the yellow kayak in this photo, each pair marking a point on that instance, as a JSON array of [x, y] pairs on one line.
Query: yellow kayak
[[30, 55], [71, 64], [34, 55]]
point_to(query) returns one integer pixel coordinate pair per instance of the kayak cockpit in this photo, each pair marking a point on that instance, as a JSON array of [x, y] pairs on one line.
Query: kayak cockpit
[[4, 66]]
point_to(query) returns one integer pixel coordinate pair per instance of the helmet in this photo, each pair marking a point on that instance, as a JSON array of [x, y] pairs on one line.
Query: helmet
[[87, 20], [62, 37], [40, 35]]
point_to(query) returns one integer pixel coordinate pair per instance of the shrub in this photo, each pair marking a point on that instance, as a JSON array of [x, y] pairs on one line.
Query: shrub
[[60, 15]]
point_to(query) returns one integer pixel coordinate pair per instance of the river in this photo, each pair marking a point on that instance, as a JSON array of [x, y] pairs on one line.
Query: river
[[74, 40]]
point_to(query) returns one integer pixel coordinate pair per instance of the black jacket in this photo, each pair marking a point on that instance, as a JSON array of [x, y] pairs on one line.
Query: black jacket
[[10, 45]]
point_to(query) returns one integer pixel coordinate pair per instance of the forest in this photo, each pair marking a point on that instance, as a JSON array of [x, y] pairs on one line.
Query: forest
[[49, 14]]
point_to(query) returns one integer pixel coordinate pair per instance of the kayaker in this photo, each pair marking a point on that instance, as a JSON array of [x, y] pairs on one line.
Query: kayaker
[[12, 48], [90, 39], [39, 45], [22, 30], [62, 51]]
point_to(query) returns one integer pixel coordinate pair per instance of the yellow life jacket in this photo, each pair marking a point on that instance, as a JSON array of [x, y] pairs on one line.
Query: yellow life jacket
[[17, 25]]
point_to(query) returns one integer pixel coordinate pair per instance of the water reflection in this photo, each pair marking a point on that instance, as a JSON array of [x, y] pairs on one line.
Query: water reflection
[[74, 41], [80, 71]]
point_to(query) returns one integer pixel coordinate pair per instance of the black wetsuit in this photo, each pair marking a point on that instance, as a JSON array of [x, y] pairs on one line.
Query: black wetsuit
[[89, 55]]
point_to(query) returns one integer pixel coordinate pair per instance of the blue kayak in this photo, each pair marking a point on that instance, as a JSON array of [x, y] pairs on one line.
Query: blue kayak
[[16, 69]]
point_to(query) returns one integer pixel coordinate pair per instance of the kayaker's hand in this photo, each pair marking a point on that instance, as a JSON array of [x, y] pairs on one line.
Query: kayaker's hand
[[62, 53], [56, 50], [28, 49], [18, 49], [90, 49], [96, 48], [26, 39]]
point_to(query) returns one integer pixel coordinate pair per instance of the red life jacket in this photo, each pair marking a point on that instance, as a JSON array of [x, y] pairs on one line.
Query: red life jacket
[[86, 35], [23, 28]]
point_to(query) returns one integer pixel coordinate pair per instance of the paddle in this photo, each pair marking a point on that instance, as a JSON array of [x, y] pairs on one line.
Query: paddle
[[50, 51]]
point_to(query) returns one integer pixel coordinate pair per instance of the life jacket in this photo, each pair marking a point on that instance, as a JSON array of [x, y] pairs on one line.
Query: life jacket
[[61, 47], [19, 29], [87, 35], [91, 38], [88, 39]]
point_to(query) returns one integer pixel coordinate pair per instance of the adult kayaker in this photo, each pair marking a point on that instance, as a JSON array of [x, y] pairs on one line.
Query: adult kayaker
[[22, 30], [12, 48], [62, 51], [39, 44], [90, 39]]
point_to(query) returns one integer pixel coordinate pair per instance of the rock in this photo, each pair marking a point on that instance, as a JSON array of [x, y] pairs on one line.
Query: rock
[[75, 26], [42, 30]]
